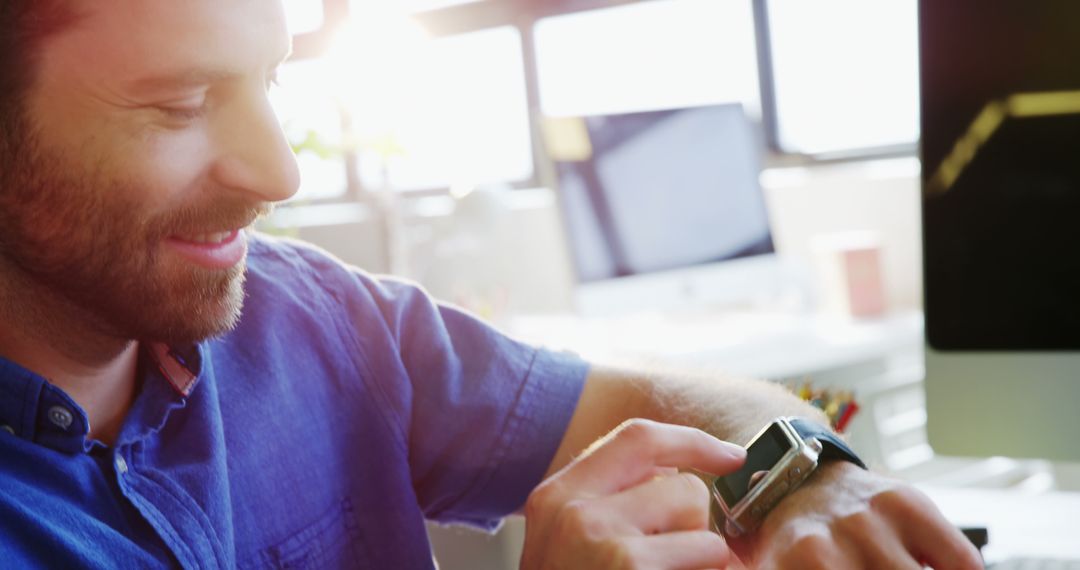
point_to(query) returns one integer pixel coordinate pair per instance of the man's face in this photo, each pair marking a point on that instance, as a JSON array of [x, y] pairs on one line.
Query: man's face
[[148, 145]]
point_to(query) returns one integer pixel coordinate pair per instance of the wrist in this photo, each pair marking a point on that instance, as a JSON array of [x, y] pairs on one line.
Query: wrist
[[833, 447], [832, 472]]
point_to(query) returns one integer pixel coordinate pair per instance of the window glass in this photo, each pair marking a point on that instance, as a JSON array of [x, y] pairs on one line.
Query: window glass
[[303, 16], [310, 116], [440, 112], [846, 73], [406, 5], [650, 55]]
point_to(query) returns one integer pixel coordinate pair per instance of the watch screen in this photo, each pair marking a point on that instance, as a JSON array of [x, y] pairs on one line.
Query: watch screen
[[763, 453]]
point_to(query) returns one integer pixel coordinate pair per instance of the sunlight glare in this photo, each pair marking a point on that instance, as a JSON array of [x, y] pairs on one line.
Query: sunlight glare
[[371, 62]]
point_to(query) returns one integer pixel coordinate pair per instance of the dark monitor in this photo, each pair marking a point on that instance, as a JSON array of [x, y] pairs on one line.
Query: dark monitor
[[661, 191], [1000, 98]]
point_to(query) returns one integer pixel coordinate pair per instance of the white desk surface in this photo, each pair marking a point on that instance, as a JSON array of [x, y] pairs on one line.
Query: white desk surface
[[1019, 524], [758, 344]]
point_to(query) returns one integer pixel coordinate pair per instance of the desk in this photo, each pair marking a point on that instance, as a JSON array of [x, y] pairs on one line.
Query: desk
[[1020, 524], [772, 345], [880, 359]]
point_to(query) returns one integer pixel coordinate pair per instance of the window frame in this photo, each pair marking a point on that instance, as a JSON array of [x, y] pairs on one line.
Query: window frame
[[777, 154], [523, 16]]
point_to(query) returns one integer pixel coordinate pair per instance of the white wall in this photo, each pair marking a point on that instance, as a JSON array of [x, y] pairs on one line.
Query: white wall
[[877, 196]]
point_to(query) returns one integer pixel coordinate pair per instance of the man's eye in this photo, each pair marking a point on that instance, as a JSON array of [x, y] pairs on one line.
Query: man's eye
[[182, 106], [183, 113]]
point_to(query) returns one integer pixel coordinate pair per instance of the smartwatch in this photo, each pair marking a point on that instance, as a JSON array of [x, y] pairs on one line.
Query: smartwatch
[[778, 459]]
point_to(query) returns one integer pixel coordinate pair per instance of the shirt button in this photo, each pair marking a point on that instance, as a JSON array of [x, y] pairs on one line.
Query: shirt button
[[8, 429], [60, 416], [121, 465]]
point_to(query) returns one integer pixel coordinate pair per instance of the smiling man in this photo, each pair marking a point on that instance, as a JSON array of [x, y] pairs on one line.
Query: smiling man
[[128, 175], [177, 391]]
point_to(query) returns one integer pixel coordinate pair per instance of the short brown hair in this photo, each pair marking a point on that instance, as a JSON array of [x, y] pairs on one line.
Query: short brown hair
[[24, 25]]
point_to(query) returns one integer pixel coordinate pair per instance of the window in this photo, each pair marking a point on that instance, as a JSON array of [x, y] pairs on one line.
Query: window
[[311, 119], [418, 113], [649, 55], [422, 113], [453, 110], [303, 16], [407, 5], [845, 74]]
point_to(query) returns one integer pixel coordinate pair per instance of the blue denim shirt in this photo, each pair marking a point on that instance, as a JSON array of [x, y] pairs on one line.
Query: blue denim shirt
[[320, 433]]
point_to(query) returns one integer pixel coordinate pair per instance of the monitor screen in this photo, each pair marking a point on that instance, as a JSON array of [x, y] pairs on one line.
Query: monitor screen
[[765, 452], [660, 190], [1001, 118], [1000, 98]]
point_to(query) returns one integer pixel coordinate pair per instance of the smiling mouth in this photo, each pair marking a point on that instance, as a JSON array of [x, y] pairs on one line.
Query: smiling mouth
[[208, 238], [212, 250], [222, 243]]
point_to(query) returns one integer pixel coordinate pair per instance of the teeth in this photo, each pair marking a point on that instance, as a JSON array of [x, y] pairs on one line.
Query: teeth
[[209, 238]]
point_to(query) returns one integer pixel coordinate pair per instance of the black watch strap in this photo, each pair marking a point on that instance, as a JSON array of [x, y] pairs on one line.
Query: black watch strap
[[832, 447]]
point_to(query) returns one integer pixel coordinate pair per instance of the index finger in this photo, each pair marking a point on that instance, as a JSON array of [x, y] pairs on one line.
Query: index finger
[[932, 538], [629, 455]]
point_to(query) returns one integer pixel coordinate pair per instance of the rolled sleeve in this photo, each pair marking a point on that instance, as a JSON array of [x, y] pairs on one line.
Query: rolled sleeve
[[526, 446], [482, 413]]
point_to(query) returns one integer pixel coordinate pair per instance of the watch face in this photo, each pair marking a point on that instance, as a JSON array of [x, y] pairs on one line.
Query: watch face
[[763, 453]]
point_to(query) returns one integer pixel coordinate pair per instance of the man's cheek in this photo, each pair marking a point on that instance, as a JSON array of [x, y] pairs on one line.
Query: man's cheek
[[168, 167]]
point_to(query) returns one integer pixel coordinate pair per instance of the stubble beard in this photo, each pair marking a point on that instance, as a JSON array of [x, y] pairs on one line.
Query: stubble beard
[[82, 245]]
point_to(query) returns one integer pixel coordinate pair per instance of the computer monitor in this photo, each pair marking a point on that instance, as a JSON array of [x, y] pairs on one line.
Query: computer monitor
[[663, 209], [1000, 96]]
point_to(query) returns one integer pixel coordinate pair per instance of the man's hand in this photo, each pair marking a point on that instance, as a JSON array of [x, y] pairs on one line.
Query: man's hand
[[841, 517], [623, 504], [845, 517]]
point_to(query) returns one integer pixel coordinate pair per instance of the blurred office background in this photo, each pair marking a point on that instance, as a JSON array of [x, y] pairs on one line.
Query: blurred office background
[[723, 184], [433, 113]]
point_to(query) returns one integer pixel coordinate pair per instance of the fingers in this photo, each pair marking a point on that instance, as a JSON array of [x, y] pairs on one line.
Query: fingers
[[927, 535], [869, 535], [624, 504], [827, 552], [847, 517], [659, 524], [628, 455], [689, 550], [676, 503]]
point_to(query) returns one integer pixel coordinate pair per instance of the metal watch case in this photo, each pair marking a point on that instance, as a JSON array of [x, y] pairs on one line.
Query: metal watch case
[[787, 474]]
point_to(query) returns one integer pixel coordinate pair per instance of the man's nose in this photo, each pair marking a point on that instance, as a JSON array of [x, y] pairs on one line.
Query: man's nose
[[253, 154]]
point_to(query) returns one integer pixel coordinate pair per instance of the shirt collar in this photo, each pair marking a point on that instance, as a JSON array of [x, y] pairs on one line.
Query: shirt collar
[[180, 367], [35, 410], [170, 374]]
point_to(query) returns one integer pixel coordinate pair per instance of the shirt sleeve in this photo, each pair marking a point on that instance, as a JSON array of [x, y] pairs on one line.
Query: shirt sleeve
[[483, 414]]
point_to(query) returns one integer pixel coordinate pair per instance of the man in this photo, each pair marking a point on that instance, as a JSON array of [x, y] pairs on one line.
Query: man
[[149, 422]]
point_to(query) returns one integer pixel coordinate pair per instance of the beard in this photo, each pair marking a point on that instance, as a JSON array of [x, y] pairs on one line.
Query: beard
[[88, 240]]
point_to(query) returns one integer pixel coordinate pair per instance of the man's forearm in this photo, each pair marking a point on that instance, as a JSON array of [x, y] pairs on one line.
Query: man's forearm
[[854, 518], [729, 408]]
